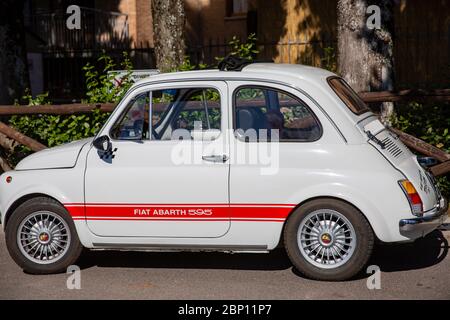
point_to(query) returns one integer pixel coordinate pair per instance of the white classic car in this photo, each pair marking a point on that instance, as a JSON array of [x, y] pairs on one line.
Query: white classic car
[[245, 159]]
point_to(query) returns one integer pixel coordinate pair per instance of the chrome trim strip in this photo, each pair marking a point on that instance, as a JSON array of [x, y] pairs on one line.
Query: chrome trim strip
[[196, 247]]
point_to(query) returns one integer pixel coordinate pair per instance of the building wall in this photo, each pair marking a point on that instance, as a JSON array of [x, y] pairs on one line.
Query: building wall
[[287, 26], [139, 18], [144, 22], [208, 22], [297, 31], [421, 49]]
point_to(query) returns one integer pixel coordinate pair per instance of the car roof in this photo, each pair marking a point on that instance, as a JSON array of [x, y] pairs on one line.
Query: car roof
[[276, 71]]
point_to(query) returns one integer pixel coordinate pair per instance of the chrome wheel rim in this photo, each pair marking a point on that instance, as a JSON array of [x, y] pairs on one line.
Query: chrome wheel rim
[[43, 237], [326, 239]]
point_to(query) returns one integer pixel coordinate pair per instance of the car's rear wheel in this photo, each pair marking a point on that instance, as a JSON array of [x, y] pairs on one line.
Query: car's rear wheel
[[328, 239], [41, 237]]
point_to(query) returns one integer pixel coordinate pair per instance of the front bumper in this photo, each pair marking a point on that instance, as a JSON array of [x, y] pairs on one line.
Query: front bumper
[[419, 227]]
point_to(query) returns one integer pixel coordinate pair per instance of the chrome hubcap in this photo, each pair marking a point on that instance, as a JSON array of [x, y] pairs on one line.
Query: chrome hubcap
[[43, 237], [326, 239]]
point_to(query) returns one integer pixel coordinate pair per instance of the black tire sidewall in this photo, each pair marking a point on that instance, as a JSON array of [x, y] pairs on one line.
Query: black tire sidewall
[[16, 218], [364, 241]]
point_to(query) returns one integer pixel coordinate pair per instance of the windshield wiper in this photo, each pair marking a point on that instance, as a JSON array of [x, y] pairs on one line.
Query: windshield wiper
[[376, 140]]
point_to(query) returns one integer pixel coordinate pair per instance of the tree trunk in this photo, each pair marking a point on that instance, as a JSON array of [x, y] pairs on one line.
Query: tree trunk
[[365, 55], [13, 62], [168, 31]]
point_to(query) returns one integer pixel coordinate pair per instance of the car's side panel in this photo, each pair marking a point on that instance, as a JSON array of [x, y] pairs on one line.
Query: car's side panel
[[328, 167]]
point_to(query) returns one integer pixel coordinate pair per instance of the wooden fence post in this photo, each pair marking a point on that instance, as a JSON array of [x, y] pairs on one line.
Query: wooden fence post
[[21, 138]]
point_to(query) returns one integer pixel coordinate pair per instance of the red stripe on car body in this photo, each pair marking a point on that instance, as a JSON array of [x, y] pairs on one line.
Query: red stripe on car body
[[180, 212]]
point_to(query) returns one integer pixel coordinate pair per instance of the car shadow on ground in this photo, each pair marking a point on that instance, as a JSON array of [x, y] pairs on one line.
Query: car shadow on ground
[[420, 254], [276, 260]]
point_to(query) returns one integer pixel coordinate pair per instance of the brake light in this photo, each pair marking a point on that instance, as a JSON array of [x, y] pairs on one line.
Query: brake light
[[413, 197]]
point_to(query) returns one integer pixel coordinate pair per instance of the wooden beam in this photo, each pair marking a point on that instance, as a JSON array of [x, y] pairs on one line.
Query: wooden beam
[[21, 138], [75, 108], [78, 108], [60, 109], [441, 169], [421, 146], [406, 95]]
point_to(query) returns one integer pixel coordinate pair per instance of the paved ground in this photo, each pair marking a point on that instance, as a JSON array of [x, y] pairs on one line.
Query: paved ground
[[412, 271]]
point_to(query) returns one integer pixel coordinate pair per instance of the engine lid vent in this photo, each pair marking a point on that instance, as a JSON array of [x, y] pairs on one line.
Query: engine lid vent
[[392, 145]]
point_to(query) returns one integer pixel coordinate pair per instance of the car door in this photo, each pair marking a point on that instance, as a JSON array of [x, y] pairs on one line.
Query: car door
[[167, 177]]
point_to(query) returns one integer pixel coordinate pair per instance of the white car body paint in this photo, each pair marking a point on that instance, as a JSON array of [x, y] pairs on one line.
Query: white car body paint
[[225, 206]]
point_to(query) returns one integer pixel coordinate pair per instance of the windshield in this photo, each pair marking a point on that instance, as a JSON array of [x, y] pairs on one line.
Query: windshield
[[348, 95]]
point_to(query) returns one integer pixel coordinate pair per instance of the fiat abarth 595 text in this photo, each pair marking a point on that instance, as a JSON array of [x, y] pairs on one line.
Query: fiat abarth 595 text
[[243, 160]]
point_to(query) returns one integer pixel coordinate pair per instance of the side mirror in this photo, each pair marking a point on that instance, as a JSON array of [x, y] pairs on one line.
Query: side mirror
[[102, 143]]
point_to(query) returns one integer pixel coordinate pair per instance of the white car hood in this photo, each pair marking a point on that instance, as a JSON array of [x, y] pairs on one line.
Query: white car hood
[[63, 156]]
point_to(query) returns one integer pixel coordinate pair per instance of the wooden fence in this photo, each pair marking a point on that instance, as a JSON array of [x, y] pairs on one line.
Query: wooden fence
[[66, 109]]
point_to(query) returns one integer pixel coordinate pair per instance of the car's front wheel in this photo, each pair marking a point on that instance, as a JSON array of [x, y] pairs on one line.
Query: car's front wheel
[[328, 239], [41, 237]]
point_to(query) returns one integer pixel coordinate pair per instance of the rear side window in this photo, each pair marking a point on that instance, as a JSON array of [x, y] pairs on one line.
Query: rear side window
[[348, 95], [263, 112]]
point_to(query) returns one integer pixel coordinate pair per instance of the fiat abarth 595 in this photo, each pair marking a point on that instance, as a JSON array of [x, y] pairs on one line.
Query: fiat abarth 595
[[244, 159]]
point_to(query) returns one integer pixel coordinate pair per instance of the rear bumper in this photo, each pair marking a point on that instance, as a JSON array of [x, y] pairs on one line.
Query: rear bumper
[[414, 228]]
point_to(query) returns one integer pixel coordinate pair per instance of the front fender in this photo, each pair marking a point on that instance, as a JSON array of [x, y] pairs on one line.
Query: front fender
[[53, 183]]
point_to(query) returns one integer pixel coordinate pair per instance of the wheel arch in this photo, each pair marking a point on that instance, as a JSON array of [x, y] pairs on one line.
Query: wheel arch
[[322, 197], [22, 200]]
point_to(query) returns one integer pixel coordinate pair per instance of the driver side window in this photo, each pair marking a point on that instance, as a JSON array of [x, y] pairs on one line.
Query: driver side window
[[133, 124], [170, 110]]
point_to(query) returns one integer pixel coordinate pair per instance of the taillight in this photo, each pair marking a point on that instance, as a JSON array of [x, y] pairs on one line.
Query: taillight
[[413, 197]]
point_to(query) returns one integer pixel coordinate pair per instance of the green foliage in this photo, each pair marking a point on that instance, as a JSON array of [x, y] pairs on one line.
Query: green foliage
[[429, 122], [329, 60], [192, 116], [246, 50], [53, 130], [34, 101], [188, 66], [101, 85]]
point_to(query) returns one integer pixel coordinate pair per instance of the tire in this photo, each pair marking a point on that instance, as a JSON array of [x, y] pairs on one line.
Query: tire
[[53, 244], [324, 254]]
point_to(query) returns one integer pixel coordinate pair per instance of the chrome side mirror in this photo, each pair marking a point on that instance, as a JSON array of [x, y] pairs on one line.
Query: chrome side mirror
[[102, 143]]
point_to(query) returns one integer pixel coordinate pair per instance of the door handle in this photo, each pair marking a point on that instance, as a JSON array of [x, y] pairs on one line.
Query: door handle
[[216, 158]]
